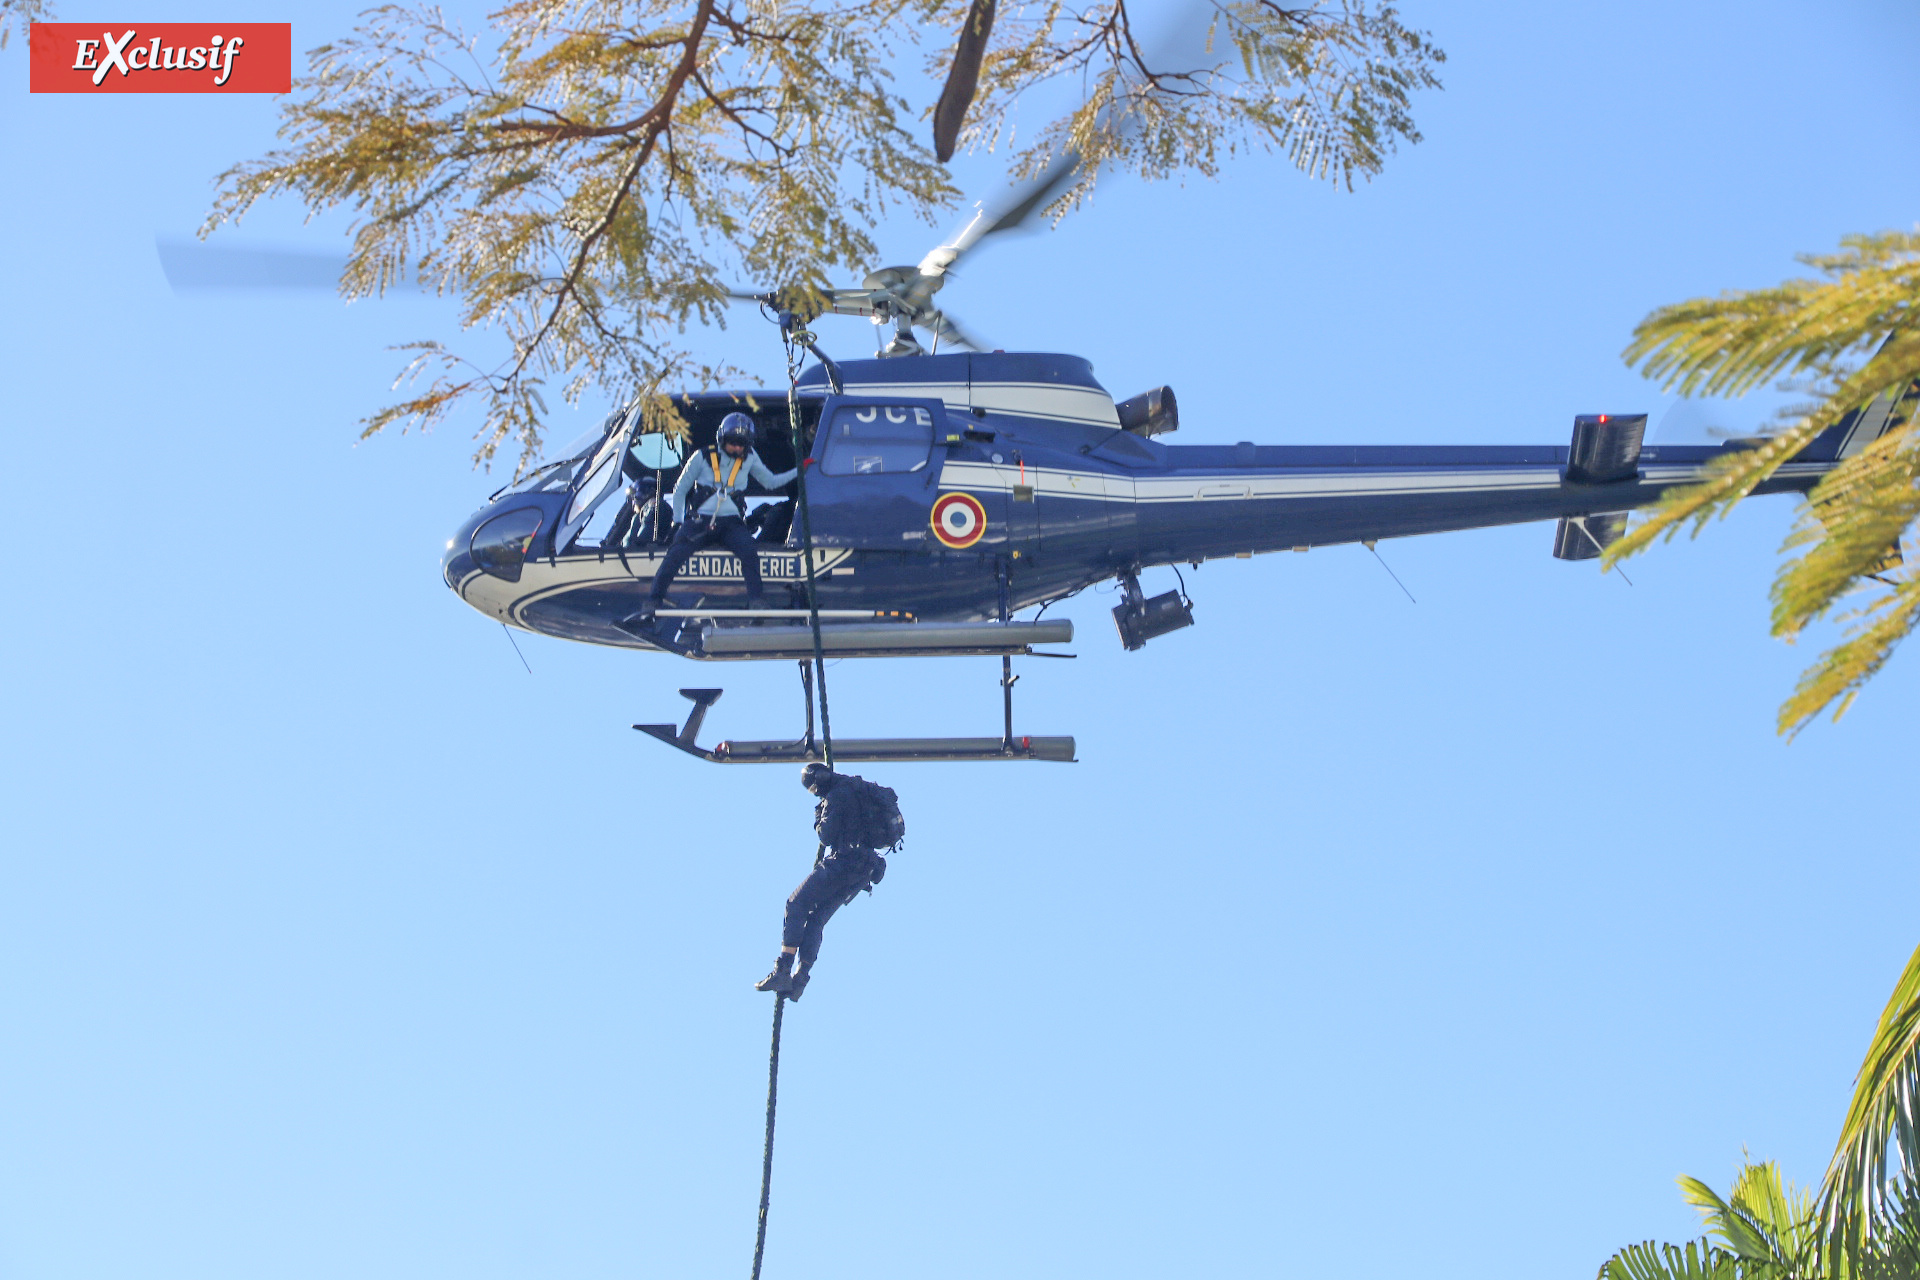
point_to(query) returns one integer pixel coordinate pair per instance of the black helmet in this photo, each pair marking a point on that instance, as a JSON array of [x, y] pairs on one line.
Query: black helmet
[[814, 775], [736, 428]]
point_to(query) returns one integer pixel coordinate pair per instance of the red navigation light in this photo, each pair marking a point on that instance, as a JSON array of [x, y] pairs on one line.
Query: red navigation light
[[1603, 417]]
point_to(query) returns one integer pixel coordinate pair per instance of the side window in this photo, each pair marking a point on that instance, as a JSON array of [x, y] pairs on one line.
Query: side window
[[500, 545], [877, 439]]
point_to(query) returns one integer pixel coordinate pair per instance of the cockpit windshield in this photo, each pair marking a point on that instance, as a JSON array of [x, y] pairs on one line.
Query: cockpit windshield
[[558, 475], [586, 440], [553, 477]]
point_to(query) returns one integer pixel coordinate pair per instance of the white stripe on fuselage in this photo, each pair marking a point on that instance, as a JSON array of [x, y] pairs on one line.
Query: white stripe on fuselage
[[543, 579], [1226, 486], [1087, 406]]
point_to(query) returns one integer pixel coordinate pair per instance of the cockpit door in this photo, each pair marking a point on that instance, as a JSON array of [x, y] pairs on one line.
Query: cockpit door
[[877, 467], [601, 477]]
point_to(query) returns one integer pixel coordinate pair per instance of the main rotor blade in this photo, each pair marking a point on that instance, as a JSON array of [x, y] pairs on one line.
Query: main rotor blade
[[1034, 195], [947, 333], [1178, 42], [192, 267], [963, 78]]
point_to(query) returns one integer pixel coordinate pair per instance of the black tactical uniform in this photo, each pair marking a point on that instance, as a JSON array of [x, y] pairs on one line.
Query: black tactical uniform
[[849, 860]]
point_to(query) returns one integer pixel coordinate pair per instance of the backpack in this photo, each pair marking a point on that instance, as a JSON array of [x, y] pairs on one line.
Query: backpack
[[877, 818]]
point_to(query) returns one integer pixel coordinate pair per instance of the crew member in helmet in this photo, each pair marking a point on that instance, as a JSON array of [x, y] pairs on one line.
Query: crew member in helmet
[[856, 821], [637, 521], [723, 472]]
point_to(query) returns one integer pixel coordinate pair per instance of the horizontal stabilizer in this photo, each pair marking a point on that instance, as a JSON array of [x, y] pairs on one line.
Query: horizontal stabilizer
[[1585, 537], [1606, 448]]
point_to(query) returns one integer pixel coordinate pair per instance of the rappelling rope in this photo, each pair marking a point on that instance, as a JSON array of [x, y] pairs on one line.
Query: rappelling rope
[[766, 1157], [797, 340]]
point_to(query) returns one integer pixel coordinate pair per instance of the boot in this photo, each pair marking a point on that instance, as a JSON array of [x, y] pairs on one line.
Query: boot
[[640, 624], [799, 980], [780, 980]]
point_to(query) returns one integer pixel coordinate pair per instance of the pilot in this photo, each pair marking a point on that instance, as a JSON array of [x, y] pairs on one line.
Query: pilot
[[855, 821], [633, 525], [722, 472]]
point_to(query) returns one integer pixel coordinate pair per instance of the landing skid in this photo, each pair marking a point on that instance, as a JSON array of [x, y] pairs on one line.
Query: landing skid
[[878, 635], [899, 750]]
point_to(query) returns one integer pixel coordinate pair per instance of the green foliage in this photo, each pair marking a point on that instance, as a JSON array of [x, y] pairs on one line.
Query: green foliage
[[1696, 1260], [1765, 1222], [1865, 1222], [1872, 1187], [1822, 333], [1329, 85], [1762, 1231], [589, 177]]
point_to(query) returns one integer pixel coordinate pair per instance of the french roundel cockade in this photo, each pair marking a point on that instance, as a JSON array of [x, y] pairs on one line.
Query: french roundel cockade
[[959, 520]]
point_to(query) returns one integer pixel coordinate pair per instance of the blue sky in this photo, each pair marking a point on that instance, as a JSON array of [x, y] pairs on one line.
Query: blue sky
[[1367, 936]]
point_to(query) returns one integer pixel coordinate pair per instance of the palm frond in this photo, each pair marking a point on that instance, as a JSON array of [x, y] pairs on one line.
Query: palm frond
[[1852, 524], [1736, 342], [1893, 1253], [1737, 1229], [1823, 331], [1696, 1260], [1870, 1187], [1826, 331], [1842, 671], [1765, 1222], [1728, 480]]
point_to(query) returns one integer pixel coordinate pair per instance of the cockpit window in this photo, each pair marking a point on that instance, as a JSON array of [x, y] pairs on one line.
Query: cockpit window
[[554, 477], [500, 545], [874, 439], [558, 475]]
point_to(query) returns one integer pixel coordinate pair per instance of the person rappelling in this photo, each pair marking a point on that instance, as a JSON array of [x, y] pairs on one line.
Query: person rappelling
[[721, 473], [858, 823]]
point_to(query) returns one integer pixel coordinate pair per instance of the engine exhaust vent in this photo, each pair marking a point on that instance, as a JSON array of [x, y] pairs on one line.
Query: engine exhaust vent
[[1151, 413]]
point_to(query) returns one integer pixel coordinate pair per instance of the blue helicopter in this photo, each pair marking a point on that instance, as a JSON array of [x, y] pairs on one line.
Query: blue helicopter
[[949, 492]]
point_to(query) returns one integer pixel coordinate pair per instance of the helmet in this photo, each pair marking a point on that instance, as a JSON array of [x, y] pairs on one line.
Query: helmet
[[814, 775], [736, 428]]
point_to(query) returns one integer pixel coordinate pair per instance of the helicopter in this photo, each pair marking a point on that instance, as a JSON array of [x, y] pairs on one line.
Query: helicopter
[[950, 490]]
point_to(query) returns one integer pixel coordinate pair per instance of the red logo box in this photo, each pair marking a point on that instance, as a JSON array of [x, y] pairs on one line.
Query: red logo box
[[161, 57]]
